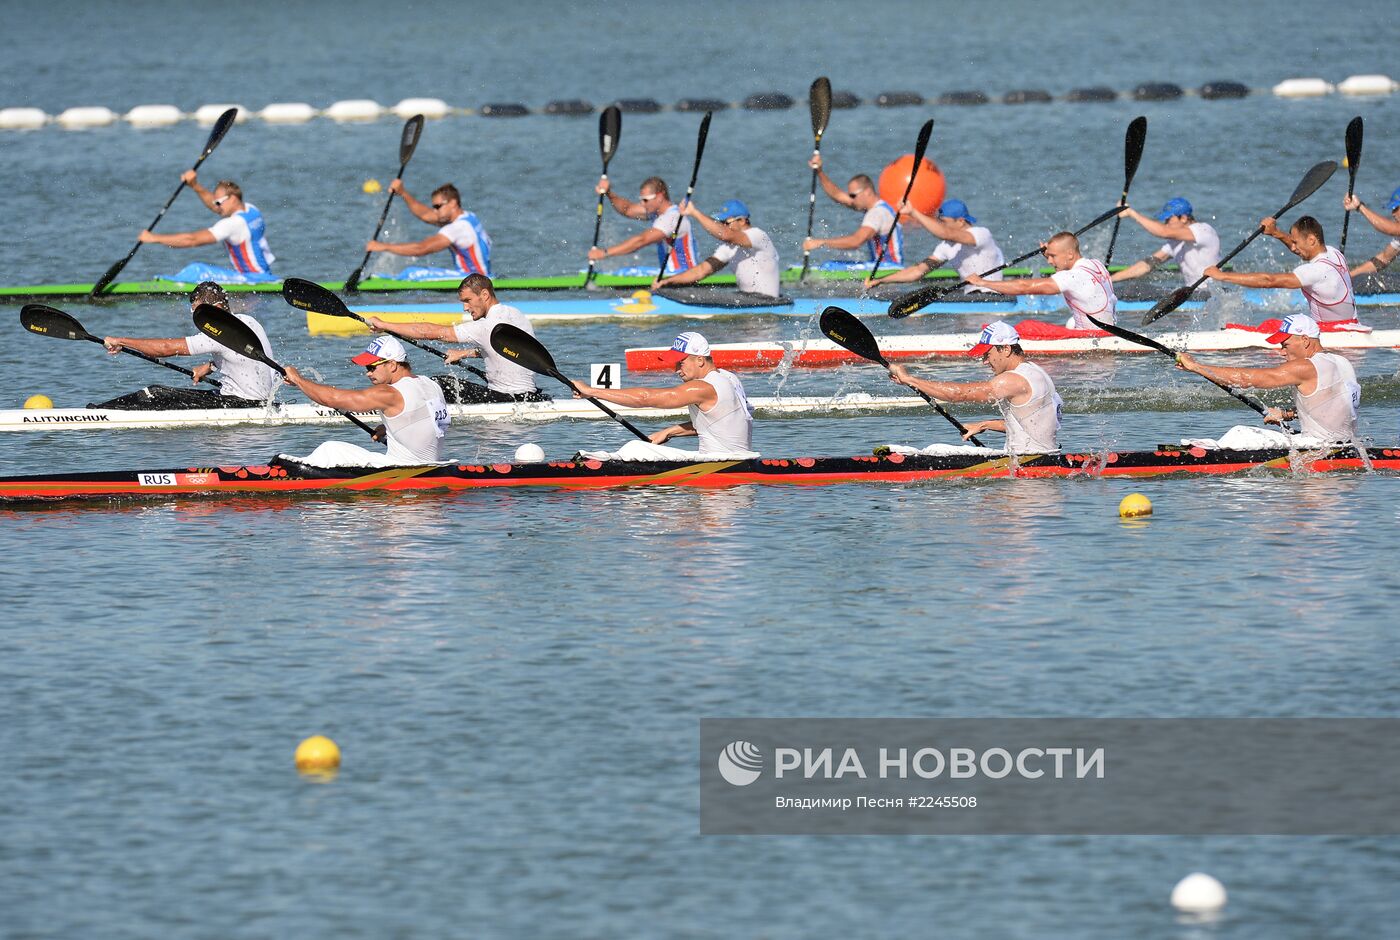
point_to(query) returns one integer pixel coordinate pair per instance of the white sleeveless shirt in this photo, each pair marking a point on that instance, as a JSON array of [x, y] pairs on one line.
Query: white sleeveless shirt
[[415, 433], [1329, 413], [727, 427], [1031, 428]]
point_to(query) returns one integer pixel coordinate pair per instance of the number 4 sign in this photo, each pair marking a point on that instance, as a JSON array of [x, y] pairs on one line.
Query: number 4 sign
[[605, 375]]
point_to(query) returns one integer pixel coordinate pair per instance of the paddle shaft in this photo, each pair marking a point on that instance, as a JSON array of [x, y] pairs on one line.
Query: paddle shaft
[[609, 132], [928, 295], [689, 190], [556, 374], [962, 429], [920, 147], [221, 128], [1152, 344], [811, 212], [161, 362], [352, 282]]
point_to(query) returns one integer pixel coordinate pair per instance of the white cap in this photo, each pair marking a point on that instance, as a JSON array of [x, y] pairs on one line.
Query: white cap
[[687, 344], [999, 333], [382, 347], [1300, 324]]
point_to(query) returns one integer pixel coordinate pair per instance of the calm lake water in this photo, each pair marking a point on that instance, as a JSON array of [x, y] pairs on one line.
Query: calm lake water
[[516, 679]]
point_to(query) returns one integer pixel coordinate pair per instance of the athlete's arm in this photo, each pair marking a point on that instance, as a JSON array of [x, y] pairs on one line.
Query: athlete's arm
[[205, 196], [1016, 286], [422, 210], [1378, 222], [427, 246], [383, 398], [178, 239], [937, 227], [688, 393], [439, 331], [846, 242], [1179, 232], [160, 348], [718, 230], [689, 276], [1008, 385], [912, 273], [1254, 278], [1139, 268], [1381, 261], [1290, 373]]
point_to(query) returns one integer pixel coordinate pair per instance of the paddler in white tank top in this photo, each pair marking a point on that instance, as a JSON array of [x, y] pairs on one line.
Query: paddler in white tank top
[[1326, 393], [1084, 282], [720, 414], [1022, 391], [415, 414], [1322, 277]]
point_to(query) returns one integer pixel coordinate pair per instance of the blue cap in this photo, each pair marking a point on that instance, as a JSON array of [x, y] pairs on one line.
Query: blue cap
[[955, 209], [1177, 206], [733, 209], [1394, 201]]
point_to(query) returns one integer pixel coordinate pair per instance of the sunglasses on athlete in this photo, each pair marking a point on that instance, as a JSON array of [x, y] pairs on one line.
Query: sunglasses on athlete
[[221, 200], [439, 205], [375, 365]]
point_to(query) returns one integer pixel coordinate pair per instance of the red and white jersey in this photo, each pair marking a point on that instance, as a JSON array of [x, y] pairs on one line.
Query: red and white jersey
[[1088, 291], [1327, 286]]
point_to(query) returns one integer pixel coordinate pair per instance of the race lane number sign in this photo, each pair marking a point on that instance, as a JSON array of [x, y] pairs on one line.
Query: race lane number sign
[[605, 375]]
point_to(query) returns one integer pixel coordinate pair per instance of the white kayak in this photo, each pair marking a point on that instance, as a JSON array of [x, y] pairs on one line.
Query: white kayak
[[84, 419], [823, 352]]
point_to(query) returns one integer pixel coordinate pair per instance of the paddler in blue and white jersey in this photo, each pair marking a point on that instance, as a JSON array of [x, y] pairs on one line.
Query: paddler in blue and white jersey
[[654, 205], [461, 232], [967, 246], [415, 413], [240, 229], [879, 230], [720, 414], [1326, 394], [1021, 390], [1194, 246], [1380, 223], [740, 241]]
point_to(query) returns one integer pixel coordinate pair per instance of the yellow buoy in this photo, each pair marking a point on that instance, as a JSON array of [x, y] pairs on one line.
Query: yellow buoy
[[317, 754], [1135, 504], [371, 187], [38, 401]]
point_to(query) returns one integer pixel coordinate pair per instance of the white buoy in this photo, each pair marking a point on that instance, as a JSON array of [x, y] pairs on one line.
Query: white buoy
[[154, 115], [287, 112], [529, 453], [86, 117], [1303, 88], [428, 107], [22, 119], [1198, 893], [356, 109], [209, 113], [1368, 85]]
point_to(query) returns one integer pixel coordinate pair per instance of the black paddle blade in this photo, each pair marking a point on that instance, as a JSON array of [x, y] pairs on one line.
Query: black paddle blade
[[609, 133], [1167, 304], [1133, 143], [221, 127], [412, 130], [819, 100], [700, 145], [843, 329], [920, 148], [914, 301], [308, 295], [231, 333], [523, 349], [49, 321], [1311, 183], [1354, 135]]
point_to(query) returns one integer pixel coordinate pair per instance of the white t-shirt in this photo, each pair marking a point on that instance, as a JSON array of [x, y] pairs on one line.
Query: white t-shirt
[[983, 255], [1194, 257], [755, 268], [242, 377], [502, 375], [1327, 286], [1088, 290]]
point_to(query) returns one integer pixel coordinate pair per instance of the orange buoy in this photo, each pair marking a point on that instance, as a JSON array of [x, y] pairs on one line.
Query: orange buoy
[[929, 186]]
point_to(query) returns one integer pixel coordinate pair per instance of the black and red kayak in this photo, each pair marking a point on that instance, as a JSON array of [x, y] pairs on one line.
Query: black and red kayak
[[284, 476]]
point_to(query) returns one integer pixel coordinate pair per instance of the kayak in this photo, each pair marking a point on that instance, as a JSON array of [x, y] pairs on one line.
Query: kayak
[[374, 285], [286, 476], [1037, 338], [707, 303], [87, 419]]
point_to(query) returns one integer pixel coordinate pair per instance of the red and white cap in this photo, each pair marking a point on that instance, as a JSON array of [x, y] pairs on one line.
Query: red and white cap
[[999, 333], [687, 344], [1300, 324], [381, 348]]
